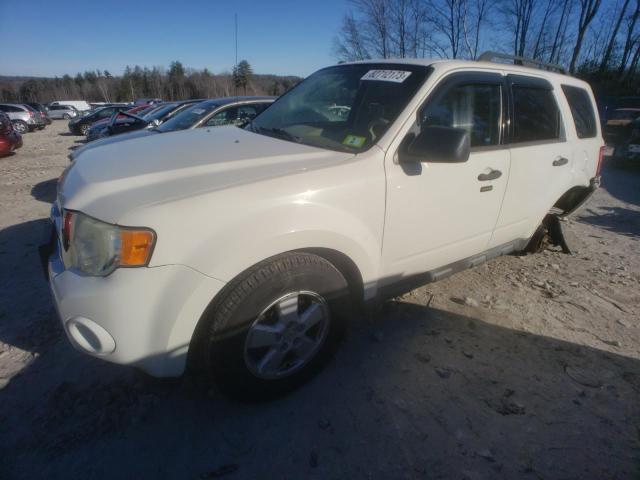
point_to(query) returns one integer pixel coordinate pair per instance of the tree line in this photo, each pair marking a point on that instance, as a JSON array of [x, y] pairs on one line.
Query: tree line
[[174, 83], [598, 40]]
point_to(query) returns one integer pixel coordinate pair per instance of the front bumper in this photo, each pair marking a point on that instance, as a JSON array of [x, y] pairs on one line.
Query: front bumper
[[143, 317]]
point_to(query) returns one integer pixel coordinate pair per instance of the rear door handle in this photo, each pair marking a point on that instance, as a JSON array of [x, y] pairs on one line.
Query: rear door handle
[[558, 162], [492, 175]]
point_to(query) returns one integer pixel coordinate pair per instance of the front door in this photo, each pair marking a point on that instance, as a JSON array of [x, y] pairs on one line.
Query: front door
[[438, 213]]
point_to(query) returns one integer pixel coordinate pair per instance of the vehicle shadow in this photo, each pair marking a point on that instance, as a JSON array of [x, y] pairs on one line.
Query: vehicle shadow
[[622, 183], [45, 191], [615, 219], [415, 392]]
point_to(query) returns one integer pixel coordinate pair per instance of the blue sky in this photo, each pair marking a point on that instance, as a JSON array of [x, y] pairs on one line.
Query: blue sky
[[54, 37]]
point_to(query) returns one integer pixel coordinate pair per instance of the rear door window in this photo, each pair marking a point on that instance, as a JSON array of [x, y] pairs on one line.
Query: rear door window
[[536, 116], [581, 110]]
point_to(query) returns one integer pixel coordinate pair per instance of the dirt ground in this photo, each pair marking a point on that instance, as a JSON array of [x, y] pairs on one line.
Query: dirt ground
[[527, 367]]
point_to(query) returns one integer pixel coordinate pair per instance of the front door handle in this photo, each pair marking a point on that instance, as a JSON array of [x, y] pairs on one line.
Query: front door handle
[[492, 175], [558, 162]]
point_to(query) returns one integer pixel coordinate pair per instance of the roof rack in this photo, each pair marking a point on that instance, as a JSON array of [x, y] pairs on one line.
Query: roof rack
[[525, 62]]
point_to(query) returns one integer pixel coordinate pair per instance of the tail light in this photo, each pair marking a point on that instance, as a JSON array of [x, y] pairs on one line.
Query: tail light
[[600, 158]]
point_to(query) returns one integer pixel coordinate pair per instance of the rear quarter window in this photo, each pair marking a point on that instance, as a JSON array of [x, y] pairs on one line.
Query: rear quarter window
[[581, 110]]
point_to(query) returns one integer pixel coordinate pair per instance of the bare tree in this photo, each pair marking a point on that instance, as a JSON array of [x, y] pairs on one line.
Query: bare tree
[[447, 18], [472, 25], [520, 13], [588, 11], [613, 38], [631, 37], [558, 41], [542, 30], [349, 44]]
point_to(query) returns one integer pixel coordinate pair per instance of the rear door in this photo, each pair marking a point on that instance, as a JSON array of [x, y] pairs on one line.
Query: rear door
[[541, 158], [438, 213]]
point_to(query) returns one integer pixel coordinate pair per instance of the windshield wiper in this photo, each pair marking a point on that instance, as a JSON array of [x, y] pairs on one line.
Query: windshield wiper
[[278, 132]]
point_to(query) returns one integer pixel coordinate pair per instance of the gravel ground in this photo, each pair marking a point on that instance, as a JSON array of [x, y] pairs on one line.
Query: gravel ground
[[527, 367]]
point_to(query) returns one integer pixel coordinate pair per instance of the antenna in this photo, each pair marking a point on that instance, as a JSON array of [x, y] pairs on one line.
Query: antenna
[[235, 86]]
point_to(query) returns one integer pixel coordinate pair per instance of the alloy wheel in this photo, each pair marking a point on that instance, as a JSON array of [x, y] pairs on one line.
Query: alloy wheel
[[287, 335]]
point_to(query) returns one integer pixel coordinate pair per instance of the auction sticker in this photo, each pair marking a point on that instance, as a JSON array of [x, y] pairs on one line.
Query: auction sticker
[[354, 141], [395, 76]]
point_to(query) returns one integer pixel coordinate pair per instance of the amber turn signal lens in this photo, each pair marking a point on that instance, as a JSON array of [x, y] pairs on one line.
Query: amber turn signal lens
[[136, 246]]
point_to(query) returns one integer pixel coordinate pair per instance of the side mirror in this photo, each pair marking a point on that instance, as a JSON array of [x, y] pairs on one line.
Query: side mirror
[[436, 144]]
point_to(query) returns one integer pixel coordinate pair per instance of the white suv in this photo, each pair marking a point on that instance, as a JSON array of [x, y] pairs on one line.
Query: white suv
[[247, 249]]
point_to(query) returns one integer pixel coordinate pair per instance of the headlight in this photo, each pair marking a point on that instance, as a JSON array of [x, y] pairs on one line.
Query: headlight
[[98, 248]]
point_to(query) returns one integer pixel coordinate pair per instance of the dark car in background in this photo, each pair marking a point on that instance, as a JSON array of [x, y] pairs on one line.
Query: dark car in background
[[618, 127], [155, 117], [80, 125], [10, 140], [208, 113], [99, 128]]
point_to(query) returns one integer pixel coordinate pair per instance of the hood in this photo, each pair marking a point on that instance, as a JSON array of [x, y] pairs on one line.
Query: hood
[[113, 180], [109, 140]]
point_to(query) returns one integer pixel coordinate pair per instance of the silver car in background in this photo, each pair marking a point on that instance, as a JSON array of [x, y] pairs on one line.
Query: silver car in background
[[62, 112], [22, 117]]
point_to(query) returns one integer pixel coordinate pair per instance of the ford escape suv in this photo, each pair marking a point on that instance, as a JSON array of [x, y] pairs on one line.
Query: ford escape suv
[[247, 250]]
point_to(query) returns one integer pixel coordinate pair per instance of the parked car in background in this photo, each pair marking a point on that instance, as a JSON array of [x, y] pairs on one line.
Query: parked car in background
[[79, 105], [617, 129], [24, 118], [209, 113], [44, 112], [64, 112], [155, 117], [147, 101], [247, 251], [628, 153], [98, 128], [10, 140], [80, 125]]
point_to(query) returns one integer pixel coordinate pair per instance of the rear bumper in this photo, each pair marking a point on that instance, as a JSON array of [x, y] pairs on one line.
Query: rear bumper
[[144, 317]]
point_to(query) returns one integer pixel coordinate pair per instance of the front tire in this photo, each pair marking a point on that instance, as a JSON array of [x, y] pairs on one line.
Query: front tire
[[66, 116], [84, 129], [275, 326], [20, 127]]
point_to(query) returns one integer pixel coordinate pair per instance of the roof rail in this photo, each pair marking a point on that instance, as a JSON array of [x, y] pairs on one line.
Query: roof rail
[[525, 62]]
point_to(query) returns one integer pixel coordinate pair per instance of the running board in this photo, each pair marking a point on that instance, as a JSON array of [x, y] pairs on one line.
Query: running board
[[406, 284]]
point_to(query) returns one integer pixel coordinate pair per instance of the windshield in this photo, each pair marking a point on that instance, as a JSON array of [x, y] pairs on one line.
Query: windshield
[[160, 112], [187, 118], [345, 108]]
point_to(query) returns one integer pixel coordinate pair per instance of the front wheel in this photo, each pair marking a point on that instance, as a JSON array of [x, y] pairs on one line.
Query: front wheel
[[275, 326], [20, 127], [66, 116], [84, 129]]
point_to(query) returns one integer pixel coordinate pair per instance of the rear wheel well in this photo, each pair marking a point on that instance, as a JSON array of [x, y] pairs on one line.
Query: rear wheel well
[[572, 198]]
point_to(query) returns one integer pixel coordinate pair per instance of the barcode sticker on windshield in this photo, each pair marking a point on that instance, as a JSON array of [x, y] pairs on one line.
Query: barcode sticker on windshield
[[198, 111], [396, 76]]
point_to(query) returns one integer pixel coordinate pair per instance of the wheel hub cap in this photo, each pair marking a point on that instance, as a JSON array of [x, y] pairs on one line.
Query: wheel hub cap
[[286, 335]]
